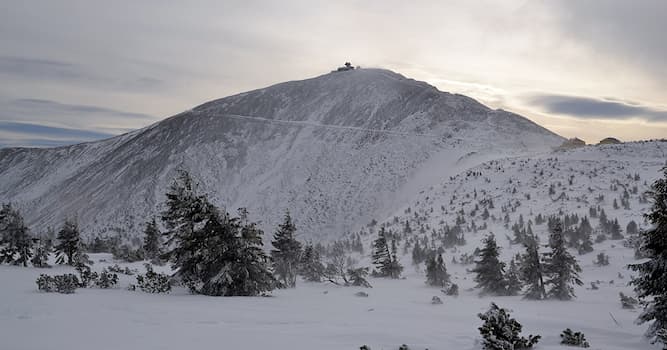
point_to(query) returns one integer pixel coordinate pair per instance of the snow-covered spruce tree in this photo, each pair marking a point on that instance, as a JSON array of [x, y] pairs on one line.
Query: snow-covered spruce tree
[[513, 278], [185, 214], [229, 260], [15, 240], [561, 267], [385, 258], [212, 252], [152, 282], [436, 272], [41, 254], [152, 242], [571, 338], [250, 273], [531, 270], [489, 270], [601, 259], [286, 252], [69, 243], [311, 267], [357, 277], [501, 332], [651, 279]]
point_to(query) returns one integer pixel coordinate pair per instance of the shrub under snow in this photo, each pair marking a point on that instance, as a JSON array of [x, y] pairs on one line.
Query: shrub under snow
[[501, 332]]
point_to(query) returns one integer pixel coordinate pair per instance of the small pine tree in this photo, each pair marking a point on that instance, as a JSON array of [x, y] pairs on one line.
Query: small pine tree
[[601, 259], [436, 272], [152, 282], [311, 267], [152, 242], [15, 238], [571, 338], [501, 332], [357, 277], [651, 279], [561, 267], [489, 270], [286, 252], [185, 214], [513, 279], [532, 271], [41, 256], [212, 252], [69, 243], [250, 272], [384, 257]]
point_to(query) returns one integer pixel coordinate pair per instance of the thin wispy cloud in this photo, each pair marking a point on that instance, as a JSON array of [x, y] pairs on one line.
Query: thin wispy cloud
[[32, 106], [17, 134], [39, 122]]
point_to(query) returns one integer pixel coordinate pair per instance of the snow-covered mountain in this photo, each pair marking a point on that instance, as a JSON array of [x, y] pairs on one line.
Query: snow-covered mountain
[[336, 150]]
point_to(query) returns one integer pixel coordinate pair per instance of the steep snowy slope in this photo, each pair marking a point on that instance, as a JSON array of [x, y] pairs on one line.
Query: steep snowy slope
[[497, 195], [335, 150]]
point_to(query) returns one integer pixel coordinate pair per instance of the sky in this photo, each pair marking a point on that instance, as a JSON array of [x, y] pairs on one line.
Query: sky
[[75, 71]]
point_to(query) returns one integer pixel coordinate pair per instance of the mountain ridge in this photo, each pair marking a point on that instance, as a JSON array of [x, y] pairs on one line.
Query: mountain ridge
[[332, 149]]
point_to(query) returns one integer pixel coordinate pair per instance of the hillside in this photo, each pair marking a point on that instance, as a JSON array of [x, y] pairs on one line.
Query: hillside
[[495, 196], [395, 311], [336, 150]]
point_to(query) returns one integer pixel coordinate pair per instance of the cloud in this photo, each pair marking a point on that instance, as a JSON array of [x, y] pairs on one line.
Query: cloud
[[55, 71], [31, 106], [54, 132], [17, 134], [632, 30], [40, 122], [585, 107], [39, 68]]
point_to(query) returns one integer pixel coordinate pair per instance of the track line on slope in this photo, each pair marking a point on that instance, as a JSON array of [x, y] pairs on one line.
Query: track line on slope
[[319, 125]]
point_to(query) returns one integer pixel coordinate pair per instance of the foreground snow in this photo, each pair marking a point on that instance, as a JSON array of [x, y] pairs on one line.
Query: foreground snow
[[312, 316]]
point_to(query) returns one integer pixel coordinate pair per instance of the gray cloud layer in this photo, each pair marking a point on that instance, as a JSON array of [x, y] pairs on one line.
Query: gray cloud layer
[[38, 122], [631, 30], [55, 71], [159, 58], [32, 107], [583, 107]]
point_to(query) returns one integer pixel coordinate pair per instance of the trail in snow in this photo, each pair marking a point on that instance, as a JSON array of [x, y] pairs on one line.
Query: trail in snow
[[318, 125]]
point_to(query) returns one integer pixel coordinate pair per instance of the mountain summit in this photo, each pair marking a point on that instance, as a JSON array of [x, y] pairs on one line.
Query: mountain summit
[[336, 150]]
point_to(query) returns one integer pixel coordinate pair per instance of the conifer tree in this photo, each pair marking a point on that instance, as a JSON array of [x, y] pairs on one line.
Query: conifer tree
[[357, 277], [41, 255], [250, 269], [15, 239], [311, 267], [502, 332], [69, 243], [417, 254], [531, 271], [152, 242], [436, 272], [514, 284], [212, 252], [286, 252], [561, 267], [186, 213], [489, 270], [651, 279], [384, 257]]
